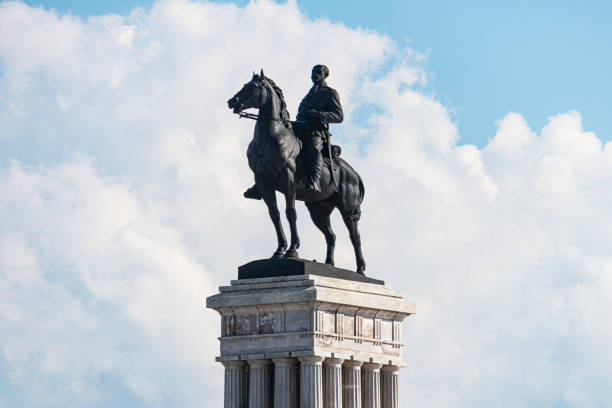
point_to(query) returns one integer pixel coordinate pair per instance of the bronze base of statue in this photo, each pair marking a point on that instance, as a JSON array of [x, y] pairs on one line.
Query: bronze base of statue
[[273, 268]]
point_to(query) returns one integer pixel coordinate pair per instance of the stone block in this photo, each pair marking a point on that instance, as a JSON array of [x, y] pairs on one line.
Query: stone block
[[310, 315]]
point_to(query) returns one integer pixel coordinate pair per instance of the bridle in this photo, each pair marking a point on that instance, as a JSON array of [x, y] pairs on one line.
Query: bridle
[[253, 116]]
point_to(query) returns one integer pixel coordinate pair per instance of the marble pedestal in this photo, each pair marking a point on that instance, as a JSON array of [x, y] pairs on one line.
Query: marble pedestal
[[310, 341]]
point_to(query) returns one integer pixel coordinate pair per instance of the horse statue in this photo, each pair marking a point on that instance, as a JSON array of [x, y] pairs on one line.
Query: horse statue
[[274, 157]]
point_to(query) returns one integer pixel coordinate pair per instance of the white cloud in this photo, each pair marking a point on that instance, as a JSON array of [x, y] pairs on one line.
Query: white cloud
[[121, 209], [93, 284]]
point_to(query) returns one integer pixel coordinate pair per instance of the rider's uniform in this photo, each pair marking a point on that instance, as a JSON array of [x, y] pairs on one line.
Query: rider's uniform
[[326, 101]]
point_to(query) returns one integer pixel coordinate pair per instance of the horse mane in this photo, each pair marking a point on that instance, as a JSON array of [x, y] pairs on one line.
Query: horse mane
[[284, 113]]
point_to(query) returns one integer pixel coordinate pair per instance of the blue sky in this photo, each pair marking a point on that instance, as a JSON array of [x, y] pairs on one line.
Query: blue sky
[[539, 58], [122, 172]]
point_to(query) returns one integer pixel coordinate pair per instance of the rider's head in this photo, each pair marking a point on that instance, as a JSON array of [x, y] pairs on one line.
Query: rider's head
[[319, 73]]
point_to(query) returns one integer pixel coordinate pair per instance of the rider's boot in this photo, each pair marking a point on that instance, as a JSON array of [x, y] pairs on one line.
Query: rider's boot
[[252, 193], [315, 174]]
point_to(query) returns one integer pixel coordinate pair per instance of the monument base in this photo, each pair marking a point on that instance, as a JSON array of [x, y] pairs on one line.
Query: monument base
[[269, 268], [309, 339]]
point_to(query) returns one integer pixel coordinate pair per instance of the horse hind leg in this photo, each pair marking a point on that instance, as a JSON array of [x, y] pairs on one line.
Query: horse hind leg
[[351, 218], [320, 212], [269, 196]]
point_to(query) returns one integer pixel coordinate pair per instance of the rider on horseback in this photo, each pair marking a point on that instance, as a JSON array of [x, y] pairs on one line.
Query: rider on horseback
[[320, 106]]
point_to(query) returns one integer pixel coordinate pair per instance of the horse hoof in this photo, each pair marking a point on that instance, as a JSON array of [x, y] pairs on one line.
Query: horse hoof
[[361, 270], [291, 254], [278, 254], [329, 262]]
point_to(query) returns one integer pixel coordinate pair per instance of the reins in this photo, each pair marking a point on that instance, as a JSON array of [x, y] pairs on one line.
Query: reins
[[255, 117]]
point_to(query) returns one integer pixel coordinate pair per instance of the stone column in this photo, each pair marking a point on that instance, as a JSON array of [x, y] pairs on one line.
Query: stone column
[[235, 384], [260, 384], [390, 386], [371, 385], [286, 389], [351, 384], [332, 383], [311, 390]]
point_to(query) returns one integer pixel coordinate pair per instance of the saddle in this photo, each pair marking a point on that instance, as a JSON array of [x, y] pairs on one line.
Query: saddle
[[302, 172]]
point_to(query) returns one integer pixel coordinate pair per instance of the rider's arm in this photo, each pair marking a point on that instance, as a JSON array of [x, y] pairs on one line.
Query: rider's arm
[[333, 114]]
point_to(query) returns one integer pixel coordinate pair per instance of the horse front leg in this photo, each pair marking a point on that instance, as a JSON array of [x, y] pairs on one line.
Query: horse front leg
[[269, 197], [288, 182]]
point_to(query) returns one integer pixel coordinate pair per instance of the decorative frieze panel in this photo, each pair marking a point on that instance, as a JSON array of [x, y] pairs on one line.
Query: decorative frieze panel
[[385, 329], [324, 317], [246, 321], [346, 320], [297, 317], [271, 319], [367, 326]]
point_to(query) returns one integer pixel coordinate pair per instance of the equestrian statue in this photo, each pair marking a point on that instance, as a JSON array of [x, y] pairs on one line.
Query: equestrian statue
[[297, 159]]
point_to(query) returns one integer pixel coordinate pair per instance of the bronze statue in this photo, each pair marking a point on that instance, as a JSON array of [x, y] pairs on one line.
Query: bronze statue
[[319, 107], [275, 159]]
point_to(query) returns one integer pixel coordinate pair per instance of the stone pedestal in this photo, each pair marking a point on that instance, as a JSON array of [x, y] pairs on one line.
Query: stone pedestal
[[340, 337]]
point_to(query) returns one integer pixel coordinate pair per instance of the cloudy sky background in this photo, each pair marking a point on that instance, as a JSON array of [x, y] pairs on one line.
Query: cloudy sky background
[[121, 175]]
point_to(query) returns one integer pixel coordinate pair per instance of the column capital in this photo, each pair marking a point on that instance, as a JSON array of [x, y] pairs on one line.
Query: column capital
[[285, 361], [259, 362], [311, 359], [233, 363], [372, 366], [353, 363], [333, 361], [390, 368]]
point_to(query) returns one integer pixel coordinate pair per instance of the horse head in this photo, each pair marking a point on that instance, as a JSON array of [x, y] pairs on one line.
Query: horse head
[[252, 95]]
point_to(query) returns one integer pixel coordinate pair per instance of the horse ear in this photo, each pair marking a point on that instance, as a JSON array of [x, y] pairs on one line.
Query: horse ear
[[254, 74], [262, 74]]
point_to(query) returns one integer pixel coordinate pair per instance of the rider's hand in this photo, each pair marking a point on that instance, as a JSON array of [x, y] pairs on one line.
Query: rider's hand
[[315, 117], [313, 114]]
